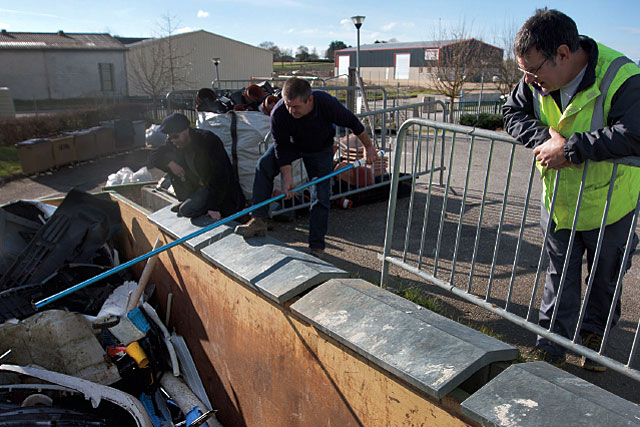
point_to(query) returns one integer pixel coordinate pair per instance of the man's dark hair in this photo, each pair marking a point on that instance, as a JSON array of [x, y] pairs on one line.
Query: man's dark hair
[[546, 31], [206, 94], [297, 88]]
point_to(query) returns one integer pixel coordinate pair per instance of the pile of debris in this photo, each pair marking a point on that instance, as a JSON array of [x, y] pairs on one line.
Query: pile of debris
[[100, 356]]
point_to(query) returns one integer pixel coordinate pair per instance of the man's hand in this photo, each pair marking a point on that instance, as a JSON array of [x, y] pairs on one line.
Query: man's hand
[[215, 215], [550, 153], [176, 169], [370, 149], [372, 155]]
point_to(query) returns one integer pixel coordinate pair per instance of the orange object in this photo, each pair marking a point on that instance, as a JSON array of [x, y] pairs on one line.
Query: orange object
[[253, 93], [268, 104]]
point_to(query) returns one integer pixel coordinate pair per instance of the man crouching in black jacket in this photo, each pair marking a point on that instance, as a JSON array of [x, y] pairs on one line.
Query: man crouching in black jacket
[[201, 173]]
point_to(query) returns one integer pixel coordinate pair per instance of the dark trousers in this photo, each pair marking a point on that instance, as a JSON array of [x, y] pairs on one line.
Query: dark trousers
[[317, 164], [196, 204], [604, 282]]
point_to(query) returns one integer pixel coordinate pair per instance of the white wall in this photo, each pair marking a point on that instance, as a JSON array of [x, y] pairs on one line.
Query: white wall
[[59, 74], [239, 61]]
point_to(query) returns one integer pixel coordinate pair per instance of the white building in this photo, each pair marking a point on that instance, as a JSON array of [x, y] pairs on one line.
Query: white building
[[62, 65], [194, 52]]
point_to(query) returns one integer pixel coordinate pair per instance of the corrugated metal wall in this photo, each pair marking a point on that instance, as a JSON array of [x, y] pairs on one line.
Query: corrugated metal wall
[[386, 57], [238, 60]]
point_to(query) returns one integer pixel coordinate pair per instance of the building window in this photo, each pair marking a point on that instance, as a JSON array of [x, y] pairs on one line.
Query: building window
[[106, 77]]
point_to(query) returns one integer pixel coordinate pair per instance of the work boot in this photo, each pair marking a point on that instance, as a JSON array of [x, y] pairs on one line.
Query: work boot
[[317, 252], [537, 353], [255, 227], [593, 342]]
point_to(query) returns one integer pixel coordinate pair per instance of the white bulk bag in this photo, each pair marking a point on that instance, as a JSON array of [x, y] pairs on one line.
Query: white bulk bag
[[252, 127]]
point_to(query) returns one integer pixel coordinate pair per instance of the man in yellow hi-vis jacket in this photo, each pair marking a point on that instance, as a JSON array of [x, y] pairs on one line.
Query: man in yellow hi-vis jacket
[[578, 100]]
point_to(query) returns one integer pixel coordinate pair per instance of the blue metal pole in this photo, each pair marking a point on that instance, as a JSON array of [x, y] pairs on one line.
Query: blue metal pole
[[142, 257]]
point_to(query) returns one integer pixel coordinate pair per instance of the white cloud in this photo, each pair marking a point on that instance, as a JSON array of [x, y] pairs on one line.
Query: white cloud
[[345, 21], [389, 26], [21, 12], [203, 14], [630, 30], [184, 30]]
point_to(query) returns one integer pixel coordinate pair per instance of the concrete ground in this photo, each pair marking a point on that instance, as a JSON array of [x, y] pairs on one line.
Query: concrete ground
[[355, 238]]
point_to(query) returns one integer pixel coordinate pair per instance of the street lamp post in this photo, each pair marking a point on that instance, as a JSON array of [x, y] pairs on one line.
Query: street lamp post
[[481, 88], [216, 62], [357, 21]]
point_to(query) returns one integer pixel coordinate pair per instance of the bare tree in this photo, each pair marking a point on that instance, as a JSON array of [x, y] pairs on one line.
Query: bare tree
[[459, 60], [302, 54], [157, 65], [177, 65], [273, 48], [452, 65], [148, 73], [508, 75]]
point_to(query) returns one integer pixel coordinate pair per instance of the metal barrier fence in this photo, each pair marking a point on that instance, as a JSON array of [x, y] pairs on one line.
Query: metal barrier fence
[[371, 177], [278, 81], [471, 107], [476, 237]]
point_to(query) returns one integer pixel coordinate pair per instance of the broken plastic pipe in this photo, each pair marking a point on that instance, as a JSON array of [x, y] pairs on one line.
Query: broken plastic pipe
[[203, 230]]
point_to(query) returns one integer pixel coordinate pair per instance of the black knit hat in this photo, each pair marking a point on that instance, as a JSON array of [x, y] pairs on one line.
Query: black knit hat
[[174, 123]]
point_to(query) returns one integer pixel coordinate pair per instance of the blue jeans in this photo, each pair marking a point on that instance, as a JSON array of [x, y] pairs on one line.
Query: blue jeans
[[317, 164], [604, 282]]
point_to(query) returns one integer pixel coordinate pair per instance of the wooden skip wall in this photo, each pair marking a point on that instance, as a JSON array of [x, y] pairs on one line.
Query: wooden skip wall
[[260, 363]]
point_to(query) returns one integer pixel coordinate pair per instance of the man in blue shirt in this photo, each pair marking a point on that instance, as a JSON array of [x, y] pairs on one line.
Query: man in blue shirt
[[302, 126]]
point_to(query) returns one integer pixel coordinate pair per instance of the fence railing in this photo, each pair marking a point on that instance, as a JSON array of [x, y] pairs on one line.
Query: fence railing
[[476, 236], [471, 107], [278, 81], [376, 177]]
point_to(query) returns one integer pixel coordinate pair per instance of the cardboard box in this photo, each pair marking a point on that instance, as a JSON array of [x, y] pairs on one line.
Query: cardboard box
[[63, 150], [35, 155]]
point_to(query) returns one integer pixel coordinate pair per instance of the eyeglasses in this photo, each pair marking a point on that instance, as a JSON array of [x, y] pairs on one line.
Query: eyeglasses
[[533, 73]]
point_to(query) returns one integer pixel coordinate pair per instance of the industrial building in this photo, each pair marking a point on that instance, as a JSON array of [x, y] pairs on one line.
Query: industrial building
[[194, 52], [412, 62], [62, 65], [44, 66]]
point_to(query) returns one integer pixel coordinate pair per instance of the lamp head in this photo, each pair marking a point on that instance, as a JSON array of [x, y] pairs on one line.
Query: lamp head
[[357, 21]]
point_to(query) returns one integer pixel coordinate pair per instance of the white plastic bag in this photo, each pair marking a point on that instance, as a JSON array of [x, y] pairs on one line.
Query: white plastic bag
[[127, 176], [154, 137], [123, 176], [142, 175]]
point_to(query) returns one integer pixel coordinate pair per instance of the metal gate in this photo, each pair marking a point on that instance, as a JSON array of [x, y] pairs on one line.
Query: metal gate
[[476, 236]]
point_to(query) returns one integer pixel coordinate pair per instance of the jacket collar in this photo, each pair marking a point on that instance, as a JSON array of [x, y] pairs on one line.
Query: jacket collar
[[589, 78]]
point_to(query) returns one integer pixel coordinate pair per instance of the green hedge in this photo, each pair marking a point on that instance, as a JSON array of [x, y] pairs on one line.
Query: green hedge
[[482, 120], [45, 125]]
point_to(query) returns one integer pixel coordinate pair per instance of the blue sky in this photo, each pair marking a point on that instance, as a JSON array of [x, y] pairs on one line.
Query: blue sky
[[291, 23]]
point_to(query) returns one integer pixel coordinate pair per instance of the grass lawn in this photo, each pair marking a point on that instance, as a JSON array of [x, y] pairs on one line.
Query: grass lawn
[[9, 163]]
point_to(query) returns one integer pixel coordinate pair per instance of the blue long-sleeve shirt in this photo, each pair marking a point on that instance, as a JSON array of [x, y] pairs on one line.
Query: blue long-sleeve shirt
[[313, 132]]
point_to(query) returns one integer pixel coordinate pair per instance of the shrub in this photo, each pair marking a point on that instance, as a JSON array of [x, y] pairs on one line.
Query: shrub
[[468, 119], [482, 120], [47, 125]]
